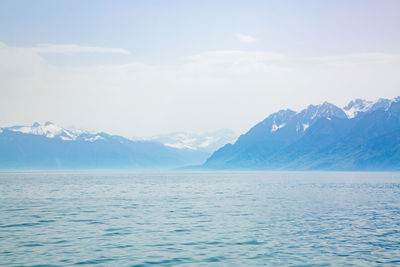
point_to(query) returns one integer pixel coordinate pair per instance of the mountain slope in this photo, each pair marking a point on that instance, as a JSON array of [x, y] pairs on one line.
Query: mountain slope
[[319, 137], [49, 146]]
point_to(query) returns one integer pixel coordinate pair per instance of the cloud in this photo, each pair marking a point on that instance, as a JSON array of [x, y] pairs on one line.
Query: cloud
[[360, 59], [245, 38], [69, 49], [206, 91], [235, 61], [232, 56]]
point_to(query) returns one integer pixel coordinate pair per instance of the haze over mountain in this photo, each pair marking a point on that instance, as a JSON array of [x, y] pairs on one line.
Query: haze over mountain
[[49, 146], [207, 142], [141, 68], [364, 135]]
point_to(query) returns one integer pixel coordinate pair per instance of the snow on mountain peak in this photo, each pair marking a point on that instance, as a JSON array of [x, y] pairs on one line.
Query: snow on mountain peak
[[279, 119], [327, 109], [206, 142], [50, 130], [356, 106], [302, 120], [360, 105], [324, 110]]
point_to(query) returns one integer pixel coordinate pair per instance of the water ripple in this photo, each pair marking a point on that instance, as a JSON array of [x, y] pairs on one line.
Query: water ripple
[[199, 219]]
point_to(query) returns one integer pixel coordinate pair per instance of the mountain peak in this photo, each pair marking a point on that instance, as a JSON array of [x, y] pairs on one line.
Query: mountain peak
[[355, 102], [357, 106], [326, 109], [326, 103], [209, 142], [282, 114], [319, 137]]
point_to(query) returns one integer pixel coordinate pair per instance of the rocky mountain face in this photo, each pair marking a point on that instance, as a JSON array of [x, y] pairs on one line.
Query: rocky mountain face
[[364, 135]]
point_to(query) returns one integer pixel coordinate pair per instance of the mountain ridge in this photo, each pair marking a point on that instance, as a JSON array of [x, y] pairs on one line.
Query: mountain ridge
[[207, 142], [49, 146], [318, 137], [363, 135]]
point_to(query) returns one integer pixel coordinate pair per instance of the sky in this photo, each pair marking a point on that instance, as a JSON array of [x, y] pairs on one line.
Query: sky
[[141, 68]]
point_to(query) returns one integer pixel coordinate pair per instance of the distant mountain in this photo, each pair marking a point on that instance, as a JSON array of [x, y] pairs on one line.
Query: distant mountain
[[49, 146], [364, 135], [207, 142]]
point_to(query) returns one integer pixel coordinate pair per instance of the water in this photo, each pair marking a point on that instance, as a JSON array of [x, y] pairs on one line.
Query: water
[[199, 219]]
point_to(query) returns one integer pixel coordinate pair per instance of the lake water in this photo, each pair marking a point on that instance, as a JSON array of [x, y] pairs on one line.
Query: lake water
[[199, 219]]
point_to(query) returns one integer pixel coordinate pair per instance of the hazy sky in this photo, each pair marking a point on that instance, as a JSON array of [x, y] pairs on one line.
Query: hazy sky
[[139, 68]]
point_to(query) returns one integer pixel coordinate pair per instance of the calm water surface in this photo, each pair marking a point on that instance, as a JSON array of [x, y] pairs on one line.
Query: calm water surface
[[199, 219]]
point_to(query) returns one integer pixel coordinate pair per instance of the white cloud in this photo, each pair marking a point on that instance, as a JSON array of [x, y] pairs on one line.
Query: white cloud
[[360, 59], [211, 90], [245, 38], [74, 49], [234, 62], [232, 56]]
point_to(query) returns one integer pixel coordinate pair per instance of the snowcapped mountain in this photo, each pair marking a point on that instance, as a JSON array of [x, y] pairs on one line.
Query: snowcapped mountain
[[300, 121], [288, 124], [51, 130], [363, 135], [207, 142], [358, 106], [312, 113], [278, 120], [49, 146]]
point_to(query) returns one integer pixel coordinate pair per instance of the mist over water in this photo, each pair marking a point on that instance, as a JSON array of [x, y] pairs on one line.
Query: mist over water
[[199, 218]]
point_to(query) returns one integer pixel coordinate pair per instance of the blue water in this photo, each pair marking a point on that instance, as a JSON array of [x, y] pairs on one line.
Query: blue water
[[199, 219]]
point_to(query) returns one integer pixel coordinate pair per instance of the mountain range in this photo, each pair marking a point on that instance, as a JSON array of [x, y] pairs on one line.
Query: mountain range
[[49, 146], [364, 135]]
